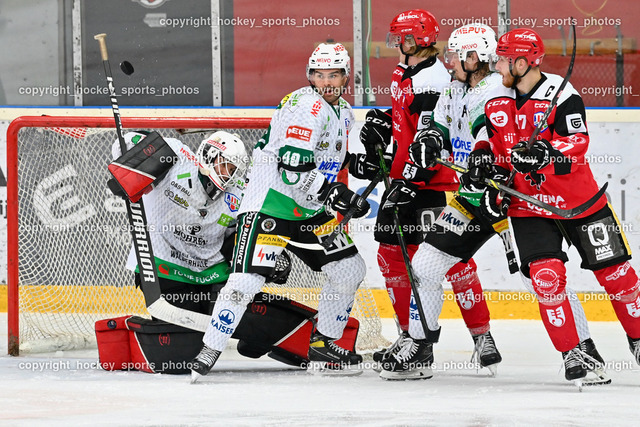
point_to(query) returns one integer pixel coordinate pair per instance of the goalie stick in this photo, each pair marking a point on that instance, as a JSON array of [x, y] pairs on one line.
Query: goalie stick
[[156, 304], [564, 213]]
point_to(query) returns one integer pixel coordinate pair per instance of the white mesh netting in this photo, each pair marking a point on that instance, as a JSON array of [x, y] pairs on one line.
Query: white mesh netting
[[74, 240]]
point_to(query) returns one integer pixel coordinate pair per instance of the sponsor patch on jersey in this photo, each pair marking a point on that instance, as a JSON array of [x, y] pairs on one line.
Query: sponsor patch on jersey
[[315, 108], [232, 201], [499, 118], [264, 256], [225, 220], [575, 124], [297, 132], [326, 228], [453, 220], [270, 240]]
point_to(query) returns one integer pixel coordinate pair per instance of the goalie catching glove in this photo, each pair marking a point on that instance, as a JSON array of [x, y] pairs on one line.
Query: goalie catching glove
[[338, 198], [376, 131], [140, 168], [534, 159], [427, 147], [364, 166]]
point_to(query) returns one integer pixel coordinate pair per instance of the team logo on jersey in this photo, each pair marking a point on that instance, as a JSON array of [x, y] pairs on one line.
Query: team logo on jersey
[[268, 224], [338, 145], [556, 316], [575, 124], [499, 118], [232, 201]]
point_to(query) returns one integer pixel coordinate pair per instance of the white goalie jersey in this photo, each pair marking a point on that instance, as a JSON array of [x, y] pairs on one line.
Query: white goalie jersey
[[187, 228], [460, 114], [310, 137]]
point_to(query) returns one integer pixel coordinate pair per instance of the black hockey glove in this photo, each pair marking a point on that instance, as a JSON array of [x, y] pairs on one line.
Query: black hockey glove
[[400, 195], [376, 131], [480, 165], [427, 146], [534, 159], [493, 207], [364, 166], [338, 198]]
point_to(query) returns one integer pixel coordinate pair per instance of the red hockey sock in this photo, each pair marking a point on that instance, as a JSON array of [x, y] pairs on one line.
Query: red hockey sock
[[549, 282], [393, 269], [469, 297], [621, 283]]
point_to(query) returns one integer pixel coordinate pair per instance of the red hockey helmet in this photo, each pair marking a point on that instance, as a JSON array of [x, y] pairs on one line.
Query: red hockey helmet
[[521, 42], [418, 23]]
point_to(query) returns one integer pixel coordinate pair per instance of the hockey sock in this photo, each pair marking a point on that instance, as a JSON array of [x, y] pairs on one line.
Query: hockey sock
[[430, 266], [469, 296], [621, 283], [549, 281], [399, 289], [230, 307]]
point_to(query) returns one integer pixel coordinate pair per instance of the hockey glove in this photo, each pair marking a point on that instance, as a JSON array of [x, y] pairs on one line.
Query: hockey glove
[[338, 198], [376, 131], [480, 164], [427, 146], [493, 207], [400, 195], [534, 159], [363, 166]]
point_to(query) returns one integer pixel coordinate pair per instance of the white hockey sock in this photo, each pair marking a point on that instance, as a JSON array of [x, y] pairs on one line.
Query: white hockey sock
[[430, 266], [230, 307]]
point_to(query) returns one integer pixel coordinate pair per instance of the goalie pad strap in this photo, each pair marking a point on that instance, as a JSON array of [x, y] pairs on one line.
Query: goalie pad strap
[[137, 170]]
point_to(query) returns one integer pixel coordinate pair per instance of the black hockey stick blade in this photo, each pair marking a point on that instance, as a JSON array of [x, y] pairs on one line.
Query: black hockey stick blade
[[564, 213], [326, 244]]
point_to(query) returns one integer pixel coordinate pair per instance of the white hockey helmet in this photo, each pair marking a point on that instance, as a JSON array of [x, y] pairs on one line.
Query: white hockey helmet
[[479, 38], [329, 56], [222, 159]]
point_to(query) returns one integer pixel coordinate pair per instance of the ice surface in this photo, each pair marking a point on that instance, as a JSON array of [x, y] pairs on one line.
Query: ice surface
[[530, 389]]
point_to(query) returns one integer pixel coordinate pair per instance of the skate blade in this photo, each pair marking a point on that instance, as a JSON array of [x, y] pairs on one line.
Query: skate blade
[[195, 377], [493, 369], [332, 370], [596, 377], [414, 374]]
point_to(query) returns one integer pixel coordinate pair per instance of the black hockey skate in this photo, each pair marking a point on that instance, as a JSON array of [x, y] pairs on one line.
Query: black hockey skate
[[584, 366], [486, 353], [634, 346], [380, 355], [412, 361], [328, 358], [203, 362]]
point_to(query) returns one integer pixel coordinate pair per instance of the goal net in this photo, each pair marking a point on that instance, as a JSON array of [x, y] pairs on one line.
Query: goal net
[[68, 235]]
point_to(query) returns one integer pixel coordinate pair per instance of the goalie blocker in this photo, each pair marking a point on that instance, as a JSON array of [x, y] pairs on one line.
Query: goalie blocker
[[272, 325], [137, 170]]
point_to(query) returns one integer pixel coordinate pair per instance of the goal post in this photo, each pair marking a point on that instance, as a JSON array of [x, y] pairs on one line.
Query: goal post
[[68, 239]]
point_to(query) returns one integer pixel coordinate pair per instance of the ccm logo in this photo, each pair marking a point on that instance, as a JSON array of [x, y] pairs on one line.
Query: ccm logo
[[302, 134]]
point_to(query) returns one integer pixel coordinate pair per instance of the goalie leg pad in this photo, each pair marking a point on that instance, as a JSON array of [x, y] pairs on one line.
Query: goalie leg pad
[[137, 170]]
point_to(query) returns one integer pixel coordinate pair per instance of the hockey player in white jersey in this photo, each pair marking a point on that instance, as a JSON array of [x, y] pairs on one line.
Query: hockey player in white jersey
[[468, 221], [191, 213], [291, 197]]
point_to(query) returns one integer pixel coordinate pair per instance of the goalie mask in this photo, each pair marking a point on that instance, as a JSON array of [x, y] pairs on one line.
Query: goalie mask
[[222, 159], [478, 38]]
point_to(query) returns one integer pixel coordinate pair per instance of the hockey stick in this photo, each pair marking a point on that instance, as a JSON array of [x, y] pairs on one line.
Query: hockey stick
[[564, 213], [347, 216], [156, 304], [403, 247], [545, 117]]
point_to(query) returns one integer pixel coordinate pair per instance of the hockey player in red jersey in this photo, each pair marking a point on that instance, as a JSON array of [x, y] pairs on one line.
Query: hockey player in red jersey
[[554, 169], [418, 193]]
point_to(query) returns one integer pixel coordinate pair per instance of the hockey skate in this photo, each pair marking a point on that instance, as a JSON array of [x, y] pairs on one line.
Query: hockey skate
[[486, 353], [412, 361], [203, 362], [328, 358], [634, 346], [583, 368], [380, 355]]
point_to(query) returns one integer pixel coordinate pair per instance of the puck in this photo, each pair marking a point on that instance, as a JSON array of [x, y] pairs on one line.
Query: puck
[[126, 67]]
